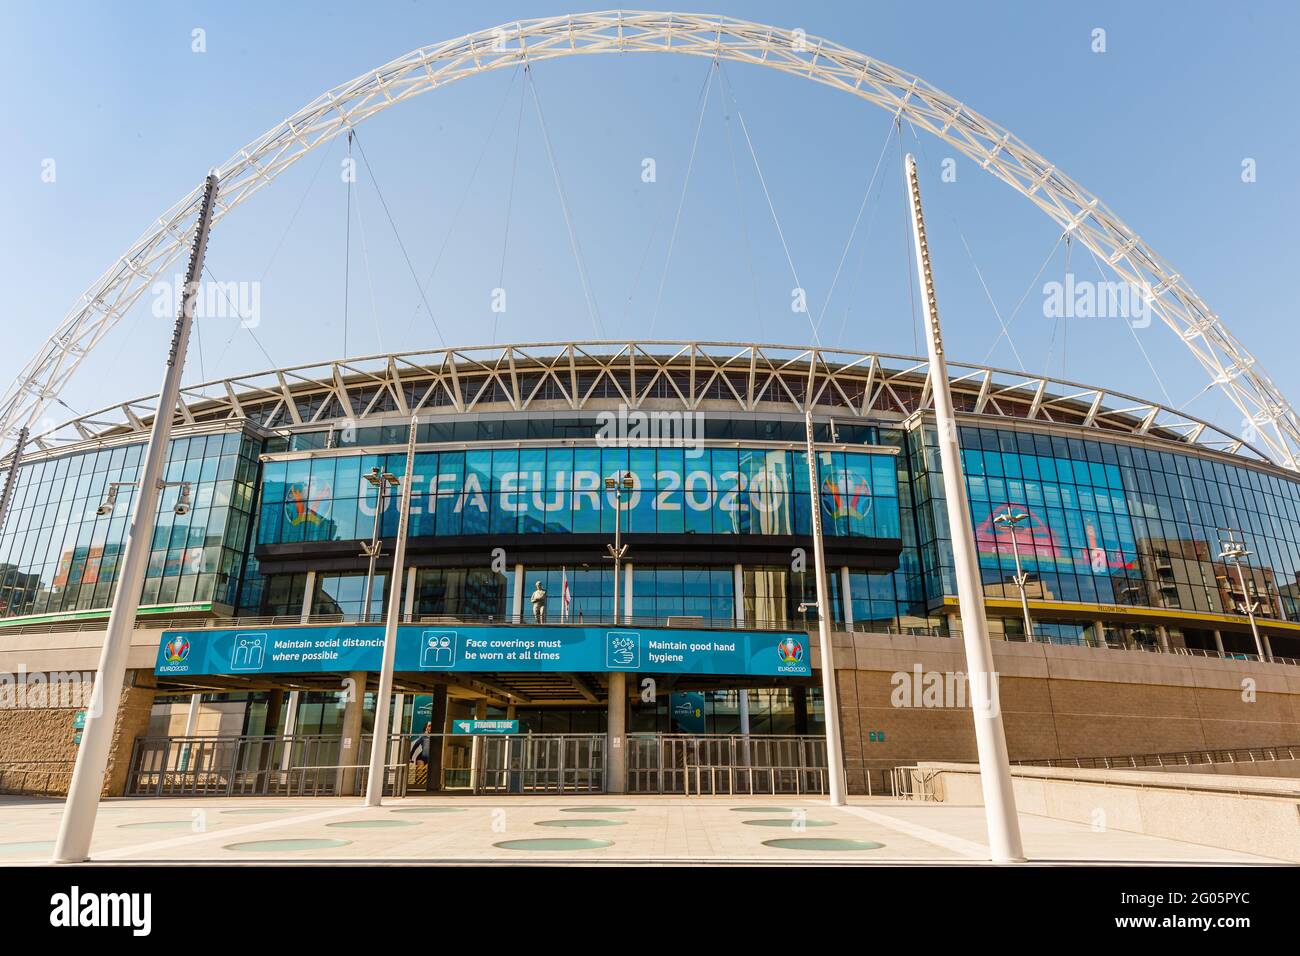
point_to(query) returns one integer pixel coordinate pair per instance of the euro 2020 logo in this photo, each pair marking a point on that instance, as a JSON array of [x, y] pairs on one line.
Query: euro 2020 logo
[[846, 494], [177, 649], [790, 650], [307, 503]]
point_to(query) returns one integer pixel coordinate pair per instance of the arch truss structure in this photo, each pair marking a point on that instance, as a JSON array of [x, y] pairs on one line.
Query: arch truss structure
[[563, 377], [1267, 418]]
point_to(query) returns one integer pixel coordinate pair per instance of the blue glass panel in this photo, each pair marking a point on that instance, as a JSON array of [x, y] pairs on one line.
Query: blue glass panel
[[641, 462], [640, 506], [504, 462], [559, 468]]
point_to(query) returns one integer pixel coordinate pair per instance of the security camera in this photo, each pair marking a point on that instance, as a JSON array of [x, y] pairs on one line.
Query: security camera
[[110, 500]]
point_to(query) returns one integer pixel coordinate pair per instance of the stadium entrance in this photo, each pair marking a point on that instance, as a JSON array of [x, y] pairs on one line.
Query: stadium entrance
[[479, 765], [490, 709]]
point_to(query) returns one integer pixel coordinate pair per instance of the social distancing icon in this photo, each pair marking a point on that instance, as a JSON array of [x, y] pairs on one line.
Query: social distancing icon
[[249, 652]]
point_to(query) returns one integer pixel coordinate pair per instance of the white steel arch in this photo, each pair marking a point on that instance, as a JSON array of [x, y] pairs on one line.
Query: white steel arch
[[1268, 417]]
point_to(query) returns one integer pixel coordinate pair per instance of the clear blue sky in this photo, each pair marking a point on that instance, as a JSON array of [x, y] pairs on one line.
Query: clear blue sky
[[1157, 126]]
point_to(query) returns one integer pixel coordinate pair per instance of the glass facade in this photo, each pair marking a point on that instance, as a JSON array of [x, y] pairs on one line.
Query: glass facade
[[591, 592], [775, 596], [771, 711], [561, 490], [542, 427], [346, 594], [1108, 523], [707, 593], [59, 553], [469, 592], [1112, 523]]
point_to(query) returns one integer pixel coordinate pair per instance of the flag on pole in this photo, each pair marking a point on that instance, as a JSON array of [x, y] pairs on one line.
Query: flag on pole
[[565, 597]]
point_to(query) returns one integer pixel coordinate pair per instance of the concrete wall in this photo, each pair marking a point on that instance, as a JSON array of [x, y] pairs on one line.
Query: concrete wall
[[1248, 814], [1058, 702], [73, 650], [44, 738], [132, 721], [37, 735]]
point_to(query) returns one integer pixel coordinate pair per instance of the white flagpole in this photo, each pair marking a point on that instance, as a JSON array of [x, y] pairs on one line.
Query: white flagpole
[[564, 594], [990, 739], [79, 810], [379, 746]]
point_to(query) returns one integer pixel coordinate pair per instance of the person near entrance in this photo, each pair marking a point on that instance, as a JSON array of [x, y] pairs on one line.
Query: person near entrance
[[420, 747], [539, 603]]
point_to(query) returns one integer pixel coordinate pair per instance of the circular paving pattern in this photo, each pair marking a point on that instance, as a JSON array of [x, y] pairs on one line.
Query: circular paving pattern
[[792, 823], [581, 822], [13, 849], [598, 809], [762, 809], [285, 846], [430, 810], [554, 843], [372, 824], [264, 810], [822, 844], [158, 825]]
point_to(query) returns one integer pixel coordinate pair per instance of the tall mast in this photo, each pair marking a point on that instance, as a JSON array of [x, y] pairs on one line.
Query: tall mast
[[990, 738], [78, 824]]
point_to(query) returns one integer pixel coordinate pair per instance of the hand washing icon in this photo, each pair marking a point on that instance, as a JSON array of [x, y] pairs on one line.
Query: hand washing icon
[[623, 650]]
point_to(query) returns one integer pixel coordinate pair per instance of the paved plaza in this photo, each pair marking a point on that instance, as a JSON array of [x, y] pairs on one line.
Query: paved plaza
[[582, 829]]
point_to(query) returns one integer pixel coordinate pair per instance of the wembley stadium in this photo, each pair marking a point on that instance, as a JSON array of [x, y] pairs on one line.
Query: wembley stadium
[[1135, 611], [593, 566]]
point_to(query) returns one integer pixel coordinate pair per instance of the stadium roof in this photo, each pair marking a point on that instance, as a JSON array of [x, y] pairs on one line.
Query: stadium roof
[[593, 375]]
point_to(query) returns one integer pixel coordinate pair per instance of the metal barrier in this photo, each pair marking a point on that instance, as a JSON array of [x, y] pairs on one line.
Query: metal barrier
[[245, 766], [913, 783], [734, 764], [310, 765], [562, 763]]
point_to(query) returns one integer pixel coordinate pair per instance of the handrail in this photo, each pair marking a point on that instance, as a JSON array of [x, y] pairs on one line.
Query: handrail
[[1182, 758], [377, 620]]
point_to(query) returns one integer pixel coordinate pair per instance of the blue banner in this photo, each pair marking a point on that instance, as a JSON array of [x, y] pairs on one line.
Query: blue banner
[[687, 711], [421, 713], [316, 649]]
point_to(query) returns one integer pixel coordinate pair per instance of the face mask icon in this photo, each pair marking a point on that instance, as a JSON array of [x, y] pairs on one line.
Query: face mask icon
[[438, 649]]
